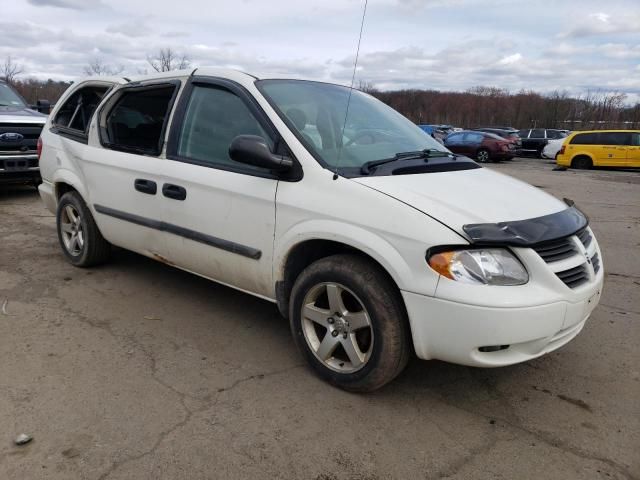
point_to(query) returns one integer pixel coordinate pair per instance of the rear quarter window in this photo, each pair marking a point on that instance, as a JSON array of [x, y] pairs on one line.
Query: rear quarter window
[[76, 112]]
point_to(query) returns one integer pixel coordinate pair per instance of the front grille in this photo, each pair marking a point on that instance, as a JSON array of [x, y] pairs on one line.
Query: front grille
[[574, 277], [556, 250], [595, 261], [585, 237], [17, 165], [28, 130]]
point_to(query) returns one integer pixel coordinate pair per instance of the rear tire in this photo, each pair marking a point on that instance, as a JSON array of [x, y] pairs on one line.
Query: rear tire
[[483, 155], [349, 322], [80, 239], [582, 163]]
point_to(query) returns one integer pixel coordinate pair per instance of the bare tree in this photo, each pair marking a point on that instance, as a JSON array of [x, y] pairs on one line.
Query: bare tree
[[366, 87], [167, 60], [98, 67], [11, 70]]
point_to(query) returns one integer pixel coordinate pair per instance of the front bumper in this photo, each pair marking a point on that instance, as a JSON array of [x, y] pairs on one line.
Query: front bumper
[[458, 333], [18, 167]]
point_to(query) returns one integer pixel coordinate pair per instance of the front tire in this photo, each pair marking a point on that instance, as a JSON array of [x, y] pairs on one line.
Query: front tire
[[349, 322], [80, 239]]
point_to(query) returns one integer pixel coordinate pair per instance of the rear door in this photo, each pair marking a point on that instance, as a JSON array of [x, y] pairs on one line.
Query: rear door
[[613, 148], [122, 165]]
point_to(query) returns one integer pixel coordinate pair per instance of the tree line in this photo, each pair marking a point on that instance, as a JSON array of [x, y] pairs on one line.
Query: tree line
[[478, 106], [489, 106]]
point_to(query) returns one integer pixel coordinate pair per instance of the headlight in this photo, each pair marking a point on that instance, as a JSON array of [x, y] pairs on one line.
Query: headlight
[[487, 266]]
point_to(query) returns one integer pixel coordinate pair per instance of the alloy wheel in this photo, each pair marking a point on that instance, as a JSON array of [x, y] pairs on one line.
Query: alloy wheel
[[72, 230], [483, 156], [337, 327]]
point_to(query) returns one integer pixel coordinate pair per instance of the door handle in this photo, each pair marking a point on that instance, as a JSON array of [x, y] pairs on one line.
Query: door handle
[[176, 192], [145, 186]]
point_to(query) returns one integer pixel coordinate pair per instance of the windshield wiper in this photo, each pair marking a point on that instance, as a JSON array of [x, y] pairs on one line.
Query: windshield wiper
[[427, 153]]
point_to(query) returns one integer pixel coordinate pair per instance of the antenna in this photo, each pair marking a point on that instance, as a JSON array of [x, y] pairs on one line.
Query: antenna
[[353, 77]]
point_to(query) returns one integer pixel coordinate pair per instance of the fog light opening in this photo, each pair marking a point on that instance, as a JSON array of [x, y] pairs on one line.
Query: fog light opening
[[493, 348]]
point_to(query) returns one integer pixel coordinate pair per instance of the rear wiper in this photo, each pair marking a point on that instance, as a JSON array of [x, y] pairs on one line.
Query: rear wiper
[[427, 153]]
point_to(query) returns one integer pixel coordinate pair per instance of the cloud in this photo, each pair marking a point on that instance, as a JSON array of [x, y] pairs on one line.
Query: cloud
[[600, 23], [71, 4], [132, 28], [508, 60]]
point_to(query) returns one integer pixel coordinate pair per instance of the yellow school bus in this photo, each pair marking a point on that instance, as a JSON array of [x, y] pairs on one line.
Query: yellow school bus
[[601, 148]]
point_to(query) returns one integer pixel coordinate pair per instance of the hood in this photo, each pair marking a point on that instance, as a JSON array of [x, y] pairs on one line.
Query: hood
[[468, 196], [21, 115]]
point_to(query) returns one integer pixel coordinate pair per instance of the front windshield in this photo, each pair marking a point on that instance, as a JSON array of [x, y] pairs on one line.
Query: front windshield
[[9, 98], [316, 113]]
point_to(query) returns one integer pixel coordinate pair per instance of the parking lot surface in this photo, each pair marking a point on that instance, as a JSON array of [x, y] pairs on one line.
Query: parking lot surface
[[136, 370]]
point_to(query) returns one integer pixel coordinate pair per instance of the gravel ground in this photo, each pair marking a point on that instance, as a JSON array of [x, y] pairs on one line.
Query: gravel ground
[[136, 370]]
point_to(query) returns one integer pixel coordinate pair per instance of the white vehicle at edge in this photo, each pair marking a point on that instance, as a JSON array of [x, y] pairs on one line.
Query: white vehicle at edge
[[368, 235], [552, 148]]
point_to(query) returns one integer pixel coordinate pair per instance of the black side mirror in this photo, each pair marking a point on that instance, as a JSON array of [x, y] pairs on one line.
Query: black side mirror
[[43, 106], [253, 150]]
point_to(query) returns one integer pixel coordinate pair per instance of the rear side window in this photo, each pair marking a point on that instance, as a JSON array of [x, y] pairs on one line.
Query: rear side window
[[614, 138], [76, 112], [537, 133], [214, 117], [635, 139], [473, 138], [137, 121], [585, 139], [553, 134]]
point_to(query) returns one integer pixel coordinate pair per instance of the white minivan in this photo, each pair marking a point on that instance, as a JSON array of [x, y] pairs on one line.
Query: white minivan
[[372, 238]]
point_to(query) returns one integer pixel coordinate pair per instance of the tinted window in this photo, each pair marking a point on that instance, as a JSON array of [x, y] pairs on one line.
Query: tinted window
[[76, 112], [523, 133], [614, 138], [473, 138], [635, 139], [537, 133], [455, 138], [137, 120], [214, 117], [585, 139], [554, 134]]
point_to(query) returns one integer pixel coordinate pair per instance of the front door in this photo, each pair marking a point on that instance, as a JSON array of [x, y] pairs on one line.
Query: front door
[[219, 214]]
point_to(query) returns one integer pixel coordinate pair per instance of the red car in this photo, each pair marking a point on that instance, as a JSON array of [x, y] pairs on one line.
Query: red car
[[482, 146]]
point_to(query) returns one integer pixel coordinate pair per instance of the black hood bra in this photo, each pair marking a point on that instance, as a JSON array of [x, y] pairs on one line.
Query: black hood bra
[[530, 232]]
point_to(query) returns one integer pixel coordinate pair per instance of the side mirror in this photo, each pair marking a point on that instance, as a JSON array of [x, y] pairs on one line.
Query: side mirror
[[43, 106], [253, 150]]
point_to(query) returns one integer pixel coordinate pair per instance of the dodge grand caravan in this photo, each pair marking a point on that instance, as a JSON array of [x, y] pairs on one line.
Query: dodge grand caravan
[[373, 239]]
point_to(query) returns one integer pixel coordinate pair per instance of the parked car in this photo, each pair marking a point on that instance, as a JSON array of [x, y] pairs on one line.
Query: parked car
[[535, 139], [510, 135], [483, 146], [373, 244], [20, 128], [601, 148], [552, 148]]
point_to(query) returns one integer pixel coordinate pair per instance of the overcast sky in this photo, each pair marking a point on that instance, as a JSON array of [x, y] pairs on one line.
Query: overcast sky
[[572, 45]]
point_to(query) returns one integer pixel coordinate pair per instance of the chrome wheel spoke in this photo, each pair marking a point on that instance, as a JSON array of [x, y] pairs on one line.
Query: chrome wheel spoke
[[71, 214], [334, 293], [327, 346], [80, 237], [350, 345], [73, 243], [357, 320], [66, 227], [315, 314]]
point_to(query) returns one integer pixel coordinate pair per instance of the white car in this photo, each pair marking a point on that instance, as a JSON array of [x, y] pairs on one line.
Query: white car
[[372, 238], [552, 148]]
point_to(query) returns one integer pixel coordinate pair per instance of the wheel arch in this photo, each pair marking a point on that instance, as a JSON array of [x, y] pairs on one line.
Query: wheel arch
[[579, 155], [304, 252], [65, 181]]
